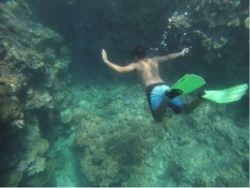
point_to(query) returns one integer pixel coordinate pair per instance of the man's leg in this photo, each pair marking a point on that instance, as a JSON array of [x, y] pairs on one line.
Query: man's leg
[[161, 110], [191, 104], [159, 113]]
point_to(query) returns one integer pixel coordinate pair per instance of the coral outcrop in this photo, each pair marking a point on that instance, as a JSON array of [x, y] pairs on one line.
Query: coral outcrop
[[32, 58]]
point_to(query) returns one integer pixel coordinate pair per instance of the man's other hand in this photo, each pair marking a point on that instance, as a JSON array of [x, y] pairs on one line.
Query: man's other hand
[[184, 51], [104, 56]]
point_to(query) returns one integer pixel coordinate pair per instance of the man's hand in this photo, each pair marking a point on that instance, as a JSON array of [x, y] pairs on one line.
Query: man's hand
[[184, 51], [104, 56], [172, 56], [117, 68]]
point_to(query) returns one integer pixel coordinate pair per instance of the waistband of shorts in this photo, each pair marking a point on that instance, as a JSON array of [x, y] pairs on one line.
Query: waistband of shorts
[[150, 87]]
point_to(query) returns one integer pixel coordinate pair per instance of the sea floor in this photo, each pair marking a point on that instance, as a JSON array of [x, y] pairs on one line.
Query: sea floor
[[114, 141]]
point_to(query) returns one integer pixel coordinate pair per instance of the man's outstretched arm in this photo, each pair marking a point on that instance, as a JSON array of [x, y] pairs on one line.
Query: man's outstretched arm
[[171, 56], [117, 68]]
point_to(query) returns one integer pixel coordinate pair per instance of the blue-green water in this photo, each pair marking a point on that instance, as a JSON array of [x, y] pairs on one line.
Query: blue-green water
[[68, 120]]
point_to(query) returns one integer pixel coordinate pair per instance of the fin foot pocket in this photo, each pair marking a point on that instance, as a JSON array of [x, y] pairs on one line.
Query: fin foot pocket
[[189, 83]]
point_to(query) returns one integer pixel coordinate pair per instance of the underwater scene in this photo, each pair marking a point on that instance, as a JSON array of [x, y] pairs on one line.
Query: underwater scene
[[124, 93]]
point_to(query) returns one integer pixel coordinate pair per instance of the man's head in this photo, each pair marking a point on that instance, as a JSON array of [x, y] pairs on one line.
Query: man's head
[[139, 52]]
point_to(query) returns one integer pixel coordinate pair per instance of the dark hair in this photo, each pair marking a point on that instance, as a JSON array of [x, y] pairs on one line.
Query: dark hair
[[139, 52]]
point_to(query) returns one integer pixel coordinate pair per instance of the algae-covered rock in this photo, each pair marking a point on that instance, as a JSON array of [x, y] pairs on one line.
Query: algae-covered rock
[[219, 43], [180, 20], [234, 22], [10, 110], [38, 166], [246, 23], [39, 99], [66, 116]]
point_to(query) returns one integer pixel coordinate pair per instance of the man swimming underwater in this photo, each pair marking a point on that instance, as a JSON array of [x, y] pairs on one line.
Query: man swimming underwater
[[160, 96]]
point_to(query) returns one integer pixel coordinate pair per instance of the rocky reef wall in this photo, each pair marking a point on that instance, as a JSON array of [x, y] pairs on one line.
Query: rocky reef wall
[[33, 80]]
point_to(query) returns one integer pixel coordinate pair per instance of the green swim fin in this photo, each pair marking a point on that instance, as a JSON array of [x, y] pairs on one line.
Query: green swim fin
[[189, 83], [226, 95]]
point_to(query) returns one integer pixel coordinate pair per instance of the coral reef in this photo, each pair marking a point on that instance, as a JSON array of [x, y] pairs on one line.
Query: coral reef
[[66, 116], [30, 64], [127, 149], [32, 57], [38, 100]]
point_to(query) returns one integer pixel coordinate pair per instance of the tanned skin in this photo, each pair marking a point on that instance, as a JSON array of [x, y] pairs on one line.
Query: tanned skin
[[148, 70]]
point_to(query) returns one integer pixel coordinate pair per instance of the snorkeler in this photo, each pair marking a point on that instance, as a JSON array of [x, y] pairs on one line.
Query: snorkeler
[[160, 96]]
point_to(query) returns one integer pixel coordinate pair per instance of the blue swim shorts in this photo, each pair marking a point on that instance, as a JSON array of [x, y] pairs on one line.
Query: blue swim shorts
[[156, 93]]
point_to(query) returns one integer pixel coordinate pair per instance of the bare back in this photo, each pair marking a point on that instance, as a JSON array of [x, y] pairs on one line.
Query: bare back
[[148, 71]]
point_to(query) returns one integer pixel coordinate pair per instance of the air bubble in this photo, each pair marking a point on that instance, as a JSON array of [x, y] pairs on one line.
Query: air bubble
[[155, 49]]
